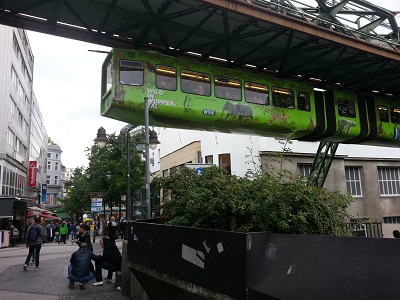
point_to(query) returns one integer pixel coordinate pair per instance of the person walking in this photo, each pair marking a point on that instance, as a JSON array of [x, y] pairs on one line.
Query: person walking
[[110, 260], [79, 269], [14, 235], [36, 235], [72, 230], [63, 232]]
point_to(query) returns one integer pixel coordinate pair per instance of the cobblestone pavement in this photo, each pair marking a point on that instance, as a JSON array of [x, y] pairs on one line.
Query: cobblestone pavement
[[50, 282]]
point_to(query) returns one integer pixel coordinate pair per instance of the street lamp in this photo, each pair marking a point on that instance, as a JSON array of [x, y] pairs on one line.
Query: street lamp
[[151, 141]]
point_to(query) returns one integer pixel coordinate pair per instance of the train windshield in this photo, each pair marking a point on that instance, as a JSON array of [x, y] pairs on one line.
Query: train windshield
[[106, 83], [131, 72]]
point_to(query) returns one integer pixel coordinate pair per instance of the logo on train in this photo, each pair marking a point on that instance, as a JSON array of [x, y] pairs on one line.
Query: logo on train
[[209, 112]]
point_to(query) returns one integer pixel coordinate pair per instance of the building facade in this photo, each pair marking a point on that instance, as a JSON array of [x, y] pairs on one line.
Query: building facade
[[37, 153], [54, 176], [16, 74], [370, 174]]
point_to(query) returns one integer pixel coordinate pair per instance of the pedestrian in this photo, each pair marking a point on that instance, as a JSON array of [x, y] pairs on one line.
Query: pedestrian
[[57, 233], [110, 260], [72, 230], [63, 232], [79, 269], [112, 229], [14, 235], [36, 235]]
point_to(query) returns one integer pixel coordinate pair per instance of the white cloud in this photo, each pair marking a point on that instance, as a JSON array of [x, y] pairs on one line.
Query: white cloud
[[66, 83]]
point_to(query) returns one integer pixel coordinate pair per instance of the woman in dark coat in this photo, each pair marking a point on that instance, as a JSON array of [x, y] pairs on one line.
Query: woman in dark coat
[[112, 229]]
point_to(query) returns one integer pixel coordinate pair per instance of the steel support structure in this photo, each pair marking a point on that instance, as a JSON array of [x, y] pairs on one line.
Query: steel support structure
[[322, 163]]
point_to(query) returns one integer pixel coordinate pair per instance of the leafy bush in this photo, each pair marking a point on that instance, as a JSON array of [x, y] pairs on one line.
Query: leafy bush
[[217, 200]]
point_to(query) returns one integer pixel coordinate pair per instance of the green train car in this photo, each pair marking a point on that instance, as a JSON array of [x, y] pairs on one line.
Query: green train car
[[192, 95]]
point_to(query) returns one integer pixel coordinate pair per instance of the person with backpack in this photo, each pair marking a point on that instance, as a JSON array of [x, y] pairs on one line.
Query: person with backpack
[[35, 235]]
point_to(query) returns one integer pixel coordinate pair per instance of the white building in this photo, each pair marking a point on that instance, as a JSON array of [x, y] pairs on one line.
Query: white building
[[16, 73], [370, 174], [54, 177]]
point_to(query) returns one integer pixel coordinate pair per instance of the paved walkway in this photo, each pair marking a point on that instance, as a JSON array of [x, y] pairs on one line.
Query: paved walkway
[[50, 282]]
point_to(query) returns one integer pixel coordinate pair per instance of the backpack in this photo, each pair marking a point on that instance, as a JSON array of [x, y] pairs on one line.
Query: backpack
[[34, 234]]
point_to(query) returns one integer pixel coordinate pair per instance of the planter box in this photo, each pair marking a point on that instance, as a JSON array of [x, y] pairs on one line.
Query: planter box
[[172, 262]]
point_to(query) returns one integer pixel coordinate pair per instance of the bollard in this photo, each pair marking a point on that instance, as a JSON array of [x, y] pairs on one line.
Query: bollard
[[118, 280]]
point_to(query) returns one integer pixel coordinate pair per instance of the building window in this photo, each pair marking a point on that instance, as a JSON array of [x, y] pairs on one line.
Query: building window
[[391, 220], [165, 173], [57, 156], [225, 162], [209, 159], [56, 166], [48, 155], [49, 165], [304, 169], [353, 181], [389, 181], [48, 179], [56, 180]]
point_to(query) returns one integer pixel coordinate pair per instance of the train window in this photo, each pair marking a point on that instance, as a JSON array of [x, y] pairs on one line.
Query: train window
[[395, 115], [195, 83], [282, 97], [131, 72], [383, 113], [228, 88], [256, 93], [166, 78], [346, 108], [303, 101]]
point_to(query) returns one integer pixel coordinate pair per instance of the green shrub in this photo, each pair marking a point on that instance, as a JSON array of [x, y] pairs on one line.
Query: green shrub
[[217, 200]]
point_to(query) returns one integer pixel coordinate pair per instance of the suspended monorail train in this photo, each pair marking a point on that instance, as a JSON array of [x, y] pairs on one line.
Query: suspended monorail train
[[191, 95]]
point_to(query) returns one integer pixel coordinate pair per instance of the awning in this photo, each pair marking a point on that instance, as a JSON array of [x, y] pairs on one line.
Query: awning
[[49, 217], [38, 209], [63, 215], [6, 208]]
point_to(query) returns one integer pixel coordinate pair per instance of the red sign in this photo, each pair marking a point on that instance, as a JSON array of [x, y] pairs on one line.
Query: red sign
[[32, 173]]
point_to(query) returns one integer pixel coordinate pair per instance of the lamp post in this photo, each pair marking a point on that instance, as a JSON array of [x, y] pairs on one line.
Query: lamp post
[[150, 141]]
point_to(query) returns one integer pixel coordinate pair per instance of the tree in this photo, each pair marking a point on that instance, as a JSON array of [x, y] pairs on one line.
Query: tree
[[78, 195], [113, 159]]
